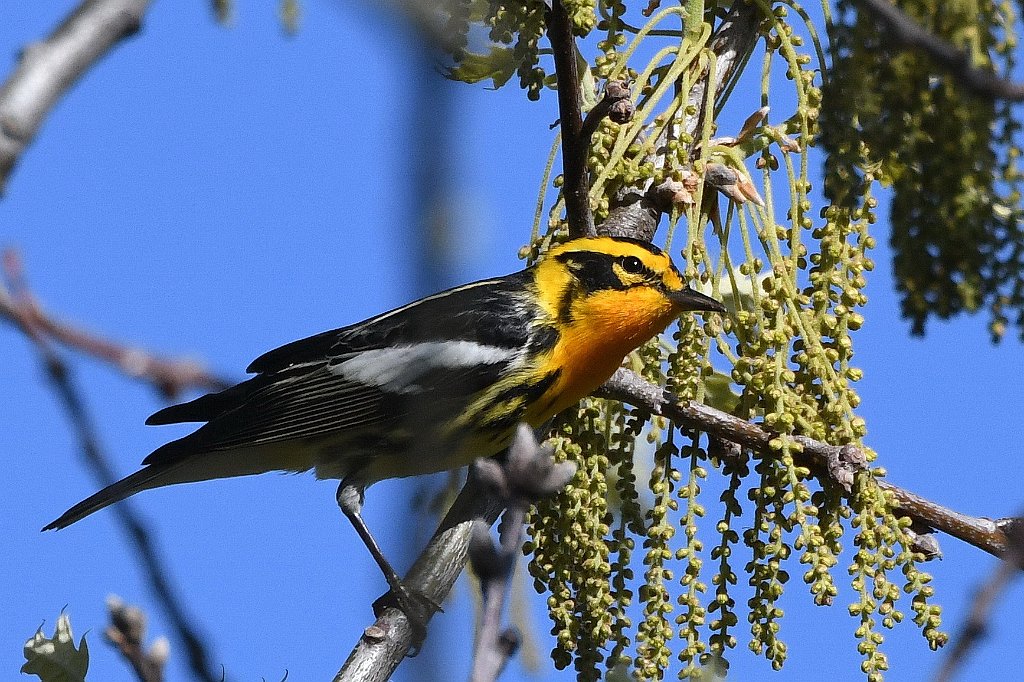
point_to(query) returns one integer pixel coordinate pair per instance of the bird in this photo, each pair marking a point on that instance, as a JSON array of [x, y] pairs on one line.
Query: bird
[[426, 387]]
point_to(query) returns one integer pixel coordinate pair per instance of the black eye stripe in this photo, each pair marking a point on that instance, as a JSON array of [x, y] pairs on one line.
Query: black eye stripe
[[596, 271]]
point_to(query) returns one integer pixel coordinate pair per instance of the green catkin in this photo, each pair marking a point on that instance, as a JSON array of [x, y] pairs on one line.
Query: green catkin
[[794, 273], [955, 232], [723, 609], [685, 369], [626, 429], [654, 632], [581, 597]]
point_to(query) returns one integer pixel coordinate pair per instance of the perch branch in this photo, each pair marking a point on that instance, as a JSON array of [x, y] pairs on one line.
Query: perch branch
[[903, 31], [825, 461], [385, 643], [47, 69]]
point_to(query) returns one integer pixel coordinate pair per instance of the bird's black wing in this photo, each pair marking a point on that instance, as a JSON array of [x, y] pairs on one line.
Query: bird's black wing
[[318, 402], [267, 409], [407, 369], [490, 312]]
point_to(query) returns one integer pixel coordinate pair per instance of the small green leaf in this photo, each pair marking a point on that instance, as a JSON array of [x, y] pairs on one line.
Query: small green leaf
[[588, 84], [718, 392], [57, 659], [498, 65]]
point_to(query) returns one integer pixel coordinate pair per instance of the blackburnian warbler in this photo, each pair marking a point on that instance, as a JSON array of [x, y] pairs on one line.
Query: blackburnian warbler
[[429, 386]]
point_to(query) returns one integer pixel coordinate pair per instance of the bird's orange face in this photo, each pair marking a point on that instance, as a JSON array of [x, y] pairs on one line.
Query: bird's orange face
[[613, 296]]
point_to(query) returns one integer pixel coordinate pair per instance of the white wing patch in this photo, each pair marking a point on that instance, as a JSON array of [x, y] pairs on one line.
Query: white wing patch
[[397, 369]]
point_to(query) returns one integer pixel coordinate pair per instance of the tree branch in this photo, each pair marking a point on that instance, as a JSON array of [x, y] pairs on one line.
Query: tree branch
[[984, 601], [824, 460], [49, 68], [903, 31], [169, 376], [385, 643], [61, 379], [576, 186], [389, 639]]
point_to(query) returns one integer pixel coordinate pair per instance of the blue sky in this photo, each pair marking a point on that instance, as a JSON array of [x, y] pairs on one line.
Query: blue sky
[[218, 192]]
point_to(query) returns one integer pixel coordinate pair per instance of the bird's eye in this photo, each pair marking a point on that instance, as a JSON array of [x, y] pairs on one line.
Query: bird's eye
[[632, 265]]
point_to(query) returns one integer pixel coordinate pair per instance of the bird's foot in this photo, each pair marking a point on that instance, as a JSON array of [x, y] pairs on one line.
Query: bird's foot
[[418, 609]]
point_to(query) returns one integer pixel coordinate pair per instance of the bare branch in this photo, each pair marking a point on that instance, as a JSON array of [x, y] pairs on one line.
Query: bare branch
[[984, 601], [127, 632], [616, 105], [169, 376], [527, 474], [901, 30], [49, 68], [63, 383], [494, 645], [385, 643], [576, 187], [819, 457]]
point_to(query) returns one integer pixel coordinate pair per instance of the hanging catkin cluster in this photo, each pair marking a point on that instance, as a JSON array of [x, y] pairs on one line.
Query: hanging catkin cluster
[[668, 551], [956, 225]]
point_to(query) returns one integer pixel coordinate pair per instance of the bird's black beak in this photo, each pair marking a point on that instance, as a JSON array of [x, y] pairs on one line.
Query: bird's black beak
[[690, 299]]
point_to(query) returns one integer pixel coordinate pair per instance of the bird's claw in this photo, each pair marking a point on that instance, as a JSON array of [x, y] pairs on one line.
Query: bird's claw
[[418, 609]]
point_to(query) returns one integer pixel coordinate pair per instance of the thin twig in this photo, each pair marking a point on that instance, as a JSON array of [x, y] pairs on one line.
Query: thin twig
[[493, 644], [576, 186], [820, 458], [169, 376], [527, 474], [901, 30], [985, 599], [49, 68], [127, 632], [616, 105], [61, 379]]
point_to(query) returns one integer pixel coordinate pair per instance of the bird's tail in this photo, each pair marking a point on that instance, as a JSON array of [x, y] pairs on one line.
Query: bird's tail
[[147, 478], [201, 466]]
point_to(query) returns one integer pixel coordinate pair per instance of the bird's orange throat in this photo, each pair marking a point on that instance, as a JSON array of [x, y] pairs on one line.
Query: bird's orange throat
[[605, 327]]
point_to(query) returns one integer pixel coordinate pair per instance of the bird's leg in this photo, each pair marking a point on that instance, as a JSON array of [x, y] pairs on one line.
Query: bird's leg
[[350, 499]]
